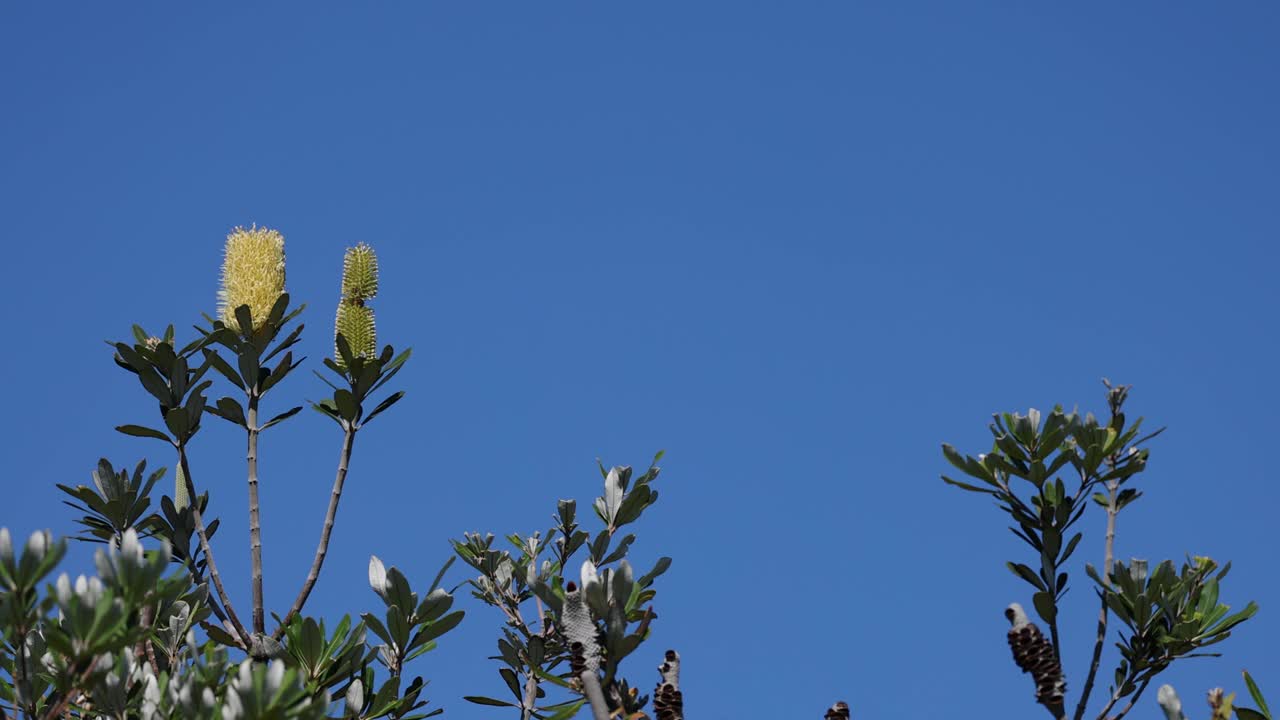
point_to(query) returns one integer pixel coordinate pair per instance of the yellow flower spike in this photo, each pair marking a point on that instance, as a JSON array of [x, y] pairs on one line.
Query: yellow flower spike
[[355, 323], [359, 274], [252, 274]]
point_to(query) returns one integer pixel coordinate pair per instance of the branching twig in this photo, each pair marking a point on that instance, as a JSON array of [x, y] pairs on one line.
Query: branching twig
[[1133, 700], [348, 440]]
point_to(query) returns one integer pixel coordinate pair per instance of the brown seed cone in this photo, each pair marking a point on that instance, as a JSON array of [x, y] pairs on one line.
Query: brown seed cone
[[668, 701], [1033, 653], [839, 711]]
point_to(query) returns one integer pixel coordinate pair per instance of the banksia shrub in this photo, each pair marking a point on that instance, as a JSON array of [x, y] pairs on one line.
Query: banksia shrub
[[252, 274], [355, 320]]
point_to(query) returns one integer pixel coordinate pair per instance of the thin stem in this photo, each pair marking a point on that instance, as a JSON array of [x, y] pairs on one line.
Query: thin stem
[[1132, 701], [243, 635], [144, 621], [1101, 637], [255, 523], [21, 686], [344, 458]]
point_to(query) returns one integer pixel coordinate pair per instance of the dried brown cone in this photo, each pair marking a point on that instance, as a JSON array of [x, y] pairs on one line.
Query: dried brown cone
[[668, 701], [577, 660], [839, 711], [1034, 654]]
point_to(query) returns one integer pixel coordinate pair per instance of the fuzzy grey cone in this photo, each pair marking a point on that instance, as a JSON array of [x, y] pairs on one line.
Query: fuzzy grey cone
[[668, 701], [1033, 652], [839, 711], [580, 629]]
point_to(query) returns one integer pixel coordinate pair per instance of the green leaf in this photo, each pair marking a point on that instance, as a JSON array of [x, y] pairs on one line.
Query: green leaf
[[177, 422], [1247, 714], [346, 405], [967, 486], [480, 700], [1045, 606], [221, 636], [512, 681], [660, 567], [281, 417], [443, 625], [1256, 694], [553, 679], [568, 710], [388, 402], [1026, 573], [146, 432], [228, 409]]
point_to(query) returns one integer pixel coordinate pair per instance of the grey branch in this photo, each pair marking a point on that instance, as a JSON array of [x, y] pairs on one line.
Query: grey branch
[[344, 458], [255, 522]]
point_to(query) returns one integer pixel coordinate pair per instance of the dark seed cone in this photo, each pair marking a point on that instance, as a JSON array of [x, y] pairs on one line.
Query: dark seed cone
[[1034, 654], [839, 711], [668, 701], [577, 659]]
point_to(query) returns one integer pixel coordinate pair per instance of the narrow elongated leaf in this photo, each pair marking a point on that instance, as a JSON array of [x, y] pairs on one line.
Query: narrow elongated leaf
[[481, 700], [1256, 694], [146, 432]]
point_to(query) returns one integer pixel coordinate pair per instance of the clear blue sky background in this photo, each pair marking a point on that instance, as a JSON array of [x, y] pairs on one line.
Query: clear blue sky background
[[797, 245]]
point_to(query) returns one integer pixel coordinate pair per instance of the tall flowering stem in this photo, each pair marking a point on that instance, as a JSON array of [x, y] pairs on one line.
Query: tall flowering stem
[[252, 306]]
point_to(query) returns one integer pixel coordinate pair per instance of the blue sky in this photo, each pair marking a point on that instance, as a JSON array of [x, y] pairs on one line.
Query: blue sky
[[798, 246]]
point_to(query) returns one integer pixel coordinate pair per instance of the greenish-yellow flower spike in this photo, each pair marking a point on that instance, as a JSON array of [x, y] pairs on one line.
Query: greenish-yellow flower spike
[[180, 497], [359, 274], [355, 323], [252, 274]]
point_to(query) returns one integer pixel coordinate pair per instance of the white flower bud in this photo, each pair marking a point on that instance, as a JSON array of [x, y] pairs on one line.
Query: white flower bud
[[62, 588], [354, 699], [378, 577], [6, 548], [275, 676], [589, 576], [38, 543]]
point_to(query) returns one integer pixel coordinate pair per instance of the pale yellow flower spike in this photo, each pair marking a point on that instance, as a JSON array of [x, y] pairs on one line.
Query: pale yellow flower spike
[[252, 274], [180, 497]]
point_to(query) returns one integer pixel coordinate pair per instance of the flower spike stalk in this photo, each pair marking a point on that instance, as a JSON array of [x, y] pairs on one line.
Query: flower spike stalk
[[355, 324]]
